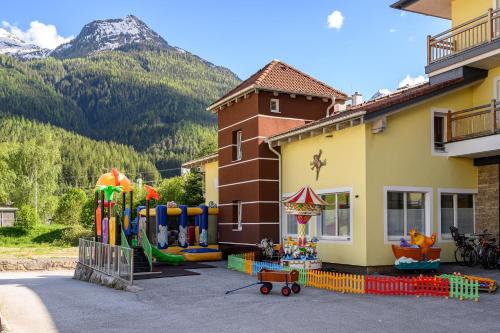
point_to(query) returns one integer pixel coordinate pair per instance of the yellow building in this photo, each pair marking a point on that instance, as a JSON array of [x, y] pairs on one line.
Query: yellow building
[[425, 157]]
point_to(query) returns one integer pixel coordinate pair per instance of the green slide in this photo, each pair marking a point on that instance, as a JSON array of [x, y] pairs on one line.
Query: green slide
[[169, 259]]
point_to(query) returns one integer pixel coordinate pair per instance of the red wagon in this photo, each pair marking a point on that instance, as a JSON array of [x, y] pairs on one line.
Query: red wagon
[[267, 277]]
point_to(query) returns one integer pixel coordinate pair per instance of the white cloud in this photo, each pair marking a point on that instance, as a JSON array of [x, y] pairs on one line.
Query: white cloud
[[392, 30], [409, 81], [403, 13], [335, 20], [41, 34]]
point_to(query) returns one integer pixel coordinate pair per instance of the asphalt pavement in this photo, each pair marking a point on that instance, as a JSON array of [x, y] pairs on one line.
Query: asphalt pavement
[[49, 302]]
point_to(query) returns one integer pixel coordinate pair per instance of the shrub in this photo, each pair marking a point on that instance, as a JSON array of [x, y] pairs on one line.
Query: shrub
[[26, 217], [70, 206], [72, 234], [87, 213]]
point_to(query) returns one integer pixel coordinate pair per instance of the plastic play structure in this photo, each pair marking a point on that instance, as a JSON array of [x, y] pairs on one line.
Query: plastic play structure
[[150, 229], [191, 242]]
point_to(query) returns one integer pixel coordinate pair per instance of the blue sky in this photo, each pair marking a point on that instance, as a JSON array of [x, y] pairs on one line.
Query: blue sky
[[374, 47]]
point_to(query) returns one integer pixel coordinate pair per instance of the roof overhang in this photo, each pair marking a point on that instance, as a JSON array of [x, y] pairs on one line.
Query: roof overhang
[[313, 129], [201, 161], [436, 8], [253, 88]]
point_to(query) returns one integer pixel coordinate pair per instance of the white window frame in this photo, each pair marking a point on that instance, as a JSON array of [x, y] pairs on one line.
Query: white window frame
[[337, 239], [239, 142], [239, 220], [277, 105], [443, 113], [455, 207], [496, 83], [429, 200], [284, 221]]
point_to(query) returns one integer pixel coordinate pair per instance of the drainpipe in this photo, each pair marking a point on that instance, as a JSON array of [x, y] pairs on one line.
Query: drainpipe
[[330, 106], [279, 185]]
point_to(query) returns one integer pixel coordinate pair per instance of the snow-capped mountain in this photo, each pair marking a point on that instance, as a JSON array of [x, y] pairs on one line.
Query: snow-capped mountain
[[12, 45], [380, 93], [103, 35]]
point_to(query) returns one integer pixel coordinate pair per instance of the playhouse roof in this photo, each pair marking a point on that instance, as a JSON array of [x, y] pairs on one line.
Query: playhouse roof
[[305, 195]]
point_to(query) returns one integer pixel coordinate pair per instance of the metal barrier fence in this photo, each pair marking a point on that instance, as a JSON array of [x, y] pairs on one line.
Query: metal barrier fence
[[113, 260]]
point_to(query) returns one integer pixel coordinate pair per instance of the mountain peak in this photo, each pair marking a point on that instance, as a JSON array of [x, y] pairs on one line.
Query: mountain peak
[[111, 34], [12, 45]]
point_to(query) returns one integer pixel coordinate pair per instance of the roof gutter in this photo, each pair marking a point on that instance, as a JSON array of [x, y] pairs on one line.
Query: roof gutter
[[319, 125]]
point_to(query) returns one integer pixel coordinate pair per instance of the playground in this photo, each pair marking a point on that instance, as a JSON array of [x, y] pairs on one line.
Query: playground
[[199, 302]]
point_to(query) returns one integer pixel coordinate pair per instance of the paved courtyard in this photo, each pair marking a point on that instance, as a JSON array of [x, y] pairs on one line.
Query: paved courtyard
[[54, 302]]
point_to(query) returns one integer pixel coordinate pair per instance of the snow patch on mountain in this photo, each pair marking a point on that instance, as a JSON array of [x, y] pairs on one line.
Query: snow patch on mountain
[[12, 45]]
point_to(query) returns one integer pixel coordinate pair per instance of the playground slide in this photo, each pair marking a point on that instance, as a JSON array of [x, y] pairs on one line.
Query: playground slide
[[169, 259]]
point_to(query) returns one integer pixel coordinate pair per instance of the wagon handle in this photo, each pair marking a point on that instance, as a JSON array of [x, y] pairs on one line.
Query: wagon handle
[[250, 285]]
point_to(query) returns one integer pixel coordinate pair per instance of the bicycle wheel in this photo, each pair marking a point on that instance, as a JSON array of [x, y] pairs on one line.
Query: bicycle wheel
[[459, 256], [470, 257], [491, 258]]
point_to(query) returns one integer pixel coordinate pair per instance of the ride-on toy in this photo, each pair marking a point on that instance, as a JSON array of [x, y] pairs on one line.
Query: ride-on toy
[[267, 276]]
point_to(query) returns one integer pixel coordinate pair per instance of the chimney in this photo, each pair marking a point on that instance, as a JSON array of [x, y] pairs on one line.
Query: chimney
[[339, 108], [357, 99]]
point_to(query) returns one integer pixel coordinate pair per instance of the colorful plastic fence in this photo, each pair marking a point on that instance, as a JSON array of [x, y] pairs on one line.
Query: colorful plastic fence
[[406, 286], [340, 282], [438, 286], [462, 288]]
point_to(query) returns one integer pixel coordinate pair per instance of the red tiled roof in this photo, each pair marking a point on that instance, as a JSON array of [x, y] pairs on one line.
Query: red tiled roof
[[392, 100], [278, 76], [403, 95]]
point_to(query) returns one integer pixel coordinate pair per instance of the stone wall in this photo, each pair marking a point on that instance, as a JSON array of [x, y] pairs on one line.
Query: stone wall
[[85, 273], [41, 264], [487, 200]]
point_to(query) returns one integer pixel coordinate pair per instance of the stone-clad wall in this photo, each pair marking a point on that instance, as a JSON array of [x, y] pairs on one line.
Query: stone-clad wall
[[487, 200]]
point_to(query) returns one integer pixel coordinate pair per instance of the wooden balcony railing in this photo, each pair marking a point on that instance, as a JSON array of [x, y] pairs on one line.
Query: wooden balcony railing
[[474, 122], [481, 30]]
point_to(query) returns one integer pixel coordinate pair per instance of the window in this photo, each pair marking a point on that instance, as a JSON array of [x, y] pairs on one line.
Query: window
[[275, 105], [237, 215], [335, 219], [439, 137], [237, 146], [407, 210], [457, 209]]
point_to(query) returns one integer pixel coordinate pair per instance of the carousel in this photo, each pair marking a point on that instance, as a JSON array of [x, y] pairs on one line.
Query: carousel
[[302, 253]]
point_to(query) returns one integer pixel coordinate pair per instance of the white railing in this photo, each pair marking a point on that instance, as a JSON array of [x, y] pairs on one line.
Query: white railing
[[112, 260]]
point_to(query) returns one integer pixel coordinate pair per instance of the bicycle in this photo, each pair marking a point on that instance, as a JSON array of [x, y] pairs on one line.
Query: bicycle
[[481, 248], [462, 243]]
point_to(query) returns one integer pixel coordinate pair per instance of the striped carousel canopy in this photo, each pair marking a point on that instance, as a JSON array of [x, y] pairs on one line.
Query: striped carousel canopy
[[304, 202]]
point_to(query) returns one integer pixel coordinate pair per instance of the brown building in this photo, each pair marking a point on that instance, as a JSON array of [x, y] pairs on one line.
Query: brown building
[[275, 99]]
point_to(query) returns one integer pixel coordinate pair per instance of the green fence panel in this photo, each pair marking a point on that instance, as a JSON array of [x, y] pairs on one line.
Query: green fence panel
[[148, 251], [462, 288]]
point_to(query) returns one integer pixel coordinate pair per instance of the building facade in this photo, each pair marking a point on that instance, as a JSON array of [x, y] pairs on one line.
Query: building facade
[[424, 157], [276, 98]]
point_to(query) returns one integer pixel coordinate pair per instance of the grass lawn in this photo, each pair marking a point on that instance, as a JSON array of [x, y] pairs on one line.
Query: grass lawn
[[37, 242]]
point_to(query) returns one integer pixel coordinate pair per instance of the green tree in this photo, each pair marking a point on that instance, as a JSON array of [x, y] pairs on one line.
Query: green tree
[[37, 165], [7, 176], [26, 217], [87, 213], [193, 189], [171, 189], [70, 207]]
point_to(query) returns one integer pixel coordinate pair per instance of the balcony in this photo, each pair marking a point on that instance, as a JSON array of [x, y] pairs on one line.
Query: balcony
[[474, 132], [469, 43]]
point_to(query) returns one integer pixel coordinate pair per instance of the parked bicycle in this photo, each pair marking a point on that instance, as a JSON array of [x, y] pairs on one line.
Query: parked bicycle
[[479, 248]]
